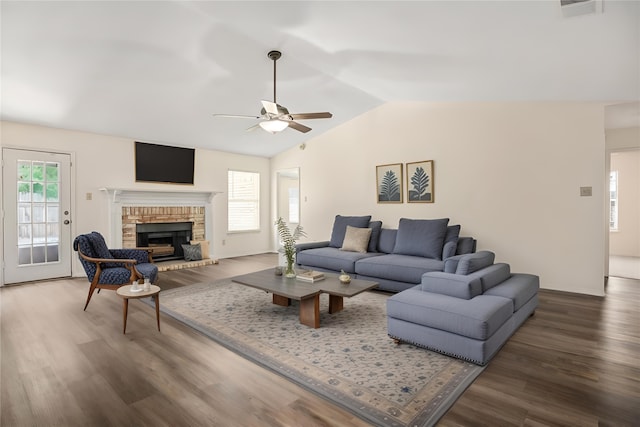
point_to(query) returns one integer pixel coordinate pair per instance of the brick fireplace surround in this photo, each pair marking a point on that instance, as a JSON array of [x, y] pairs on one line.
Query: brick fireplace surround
[[127, 208]]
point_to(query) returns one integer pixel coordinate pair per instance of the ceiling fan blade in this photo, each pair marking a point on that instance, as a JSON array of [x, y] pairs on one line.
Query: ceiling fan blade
[[236, 116], [254, 127], [299, 127], [307, 116], [270, 107]]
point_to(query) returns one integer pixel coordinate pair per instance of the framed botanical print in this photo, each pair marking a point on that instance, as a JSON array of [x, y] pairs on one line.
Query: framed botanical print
[[420, 182], [389, 183]]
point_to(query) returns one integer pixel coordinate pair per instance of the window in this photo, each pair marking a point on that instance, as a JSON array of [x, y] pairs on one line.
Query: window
[[294, 205], [613, 201], [243, 207]]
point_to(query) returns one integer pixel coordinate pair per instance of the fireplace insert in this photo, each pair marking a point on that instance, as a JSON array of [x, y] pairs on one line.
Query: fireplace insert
[[169, 235]]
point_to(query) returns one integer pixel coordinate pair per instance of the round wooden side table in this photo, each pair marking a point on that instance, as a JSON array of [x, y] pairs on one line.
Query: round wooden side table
[[126, 294]]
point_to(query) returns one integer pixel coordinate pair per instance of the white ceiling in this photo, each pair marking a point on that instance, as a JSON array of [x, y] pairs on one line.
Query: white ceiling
[[157, 71]]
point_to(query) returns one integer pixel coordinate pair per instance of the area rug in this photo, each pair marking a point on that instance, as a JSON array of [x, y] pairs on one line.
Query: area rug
[[349, 360]]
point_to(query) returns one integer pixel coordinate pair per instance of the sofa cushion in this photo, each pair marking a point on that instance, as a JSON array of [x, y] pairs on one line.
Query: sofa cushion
[[466, 245], [331, 259], [356, 239], [340, 227], [450, 241], [493, 275], [474, 262], [375, 227], [454, 285], [519, 288], [401, 268], [421, 237], [387, 240], [478, 318]]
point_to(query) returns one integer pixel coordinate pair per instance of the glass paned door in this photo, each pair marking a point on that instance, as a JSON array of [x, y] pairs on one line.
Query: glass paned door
[[38, 199], [36, 191]]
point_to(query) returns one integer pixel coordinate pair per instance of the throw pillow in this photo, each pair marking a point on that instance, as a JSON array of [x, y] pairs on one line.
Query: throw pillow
[[340, 227], [204, 247], [356, 239], [421, 237], [192, 252], [375, 226], [450, 241]]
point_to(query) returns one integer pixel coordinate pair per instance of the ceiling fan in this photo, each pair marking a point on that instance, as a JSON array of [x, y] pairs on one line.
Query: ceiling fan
[[275, 117]]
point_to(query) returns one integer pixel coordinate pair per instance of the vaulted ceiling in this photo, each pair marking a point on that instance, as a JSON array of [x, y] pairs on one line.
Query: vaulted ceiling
[[157, 71]]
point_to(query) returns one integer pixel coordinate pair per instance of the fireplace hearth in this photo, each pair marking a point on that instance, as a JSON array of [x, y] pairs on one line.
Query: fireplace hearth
[[169, 235]]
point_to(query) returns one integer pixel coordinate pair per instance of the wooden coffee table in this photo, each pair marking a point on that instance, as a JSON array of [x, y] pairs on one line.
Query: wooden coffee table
[[286, 289]]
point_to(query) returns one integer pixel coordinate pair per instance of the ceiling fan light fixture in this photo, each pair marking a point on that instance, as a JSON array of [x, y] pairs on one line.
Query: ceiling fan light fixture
[[274, 125]]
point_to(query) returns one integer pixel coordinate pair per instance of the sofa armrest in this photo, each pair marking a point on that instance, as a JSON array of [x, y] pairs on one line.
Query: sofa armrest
[[311, 245], [453, 285]]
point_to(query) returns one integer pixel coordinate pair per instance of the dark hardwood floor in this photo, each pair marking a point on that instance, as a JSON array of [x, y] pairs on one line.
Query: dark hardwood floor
[[574, 363]]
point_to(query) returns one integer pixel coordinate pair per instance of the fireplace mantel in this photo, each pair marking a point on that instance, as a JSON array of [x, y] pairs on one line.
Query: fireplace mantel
[[153, 197]]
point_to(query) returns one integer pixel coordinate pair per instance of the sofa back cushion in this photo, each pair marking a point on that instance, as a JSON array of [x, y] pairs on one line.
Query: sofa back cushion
[[340, 227], [493, 275], [387, 240], [421, 237], [454, 285], [466, 245], [375, 227], [450, 241], [474, 262]]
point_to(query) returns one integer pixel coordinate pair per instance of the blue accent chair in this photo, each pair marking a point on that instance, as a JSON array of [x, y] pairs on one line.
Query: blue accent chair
[[111, 268]]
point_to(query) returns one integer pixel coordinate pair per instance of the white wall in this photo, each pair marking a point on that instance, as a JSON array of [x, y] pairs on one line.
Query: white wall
[[105, 161], [509, 173]]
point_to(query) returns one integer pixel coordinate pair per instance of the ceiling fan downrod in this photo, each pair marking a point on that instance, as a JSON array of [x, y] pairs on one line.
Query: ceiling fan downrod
[[274, 55]]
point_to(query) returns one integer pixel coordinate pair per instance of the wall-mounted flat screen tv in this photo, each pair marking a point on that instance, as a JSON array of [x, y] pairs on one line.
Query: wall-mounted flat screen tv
[[163, 163]]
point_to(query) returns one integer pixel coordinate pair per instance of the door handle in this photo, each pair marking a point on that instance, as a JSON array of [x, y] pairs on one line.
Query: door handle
[[66, 222]]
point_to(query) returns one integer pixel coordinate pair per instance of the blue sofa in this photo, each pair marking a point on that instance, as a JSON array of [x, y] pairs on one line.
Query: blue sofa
[[468, 311], [395, 258]]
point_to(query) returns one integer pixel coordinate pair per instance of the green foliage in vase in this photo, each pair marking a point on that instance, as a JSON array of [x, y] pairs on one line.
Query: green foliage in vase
[[390, 188], [288, 239], [419, 182]]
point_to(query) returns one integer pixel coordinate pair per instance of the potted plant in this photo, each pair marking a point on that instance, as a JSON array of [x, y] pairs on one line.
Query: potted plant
[[288, 240]]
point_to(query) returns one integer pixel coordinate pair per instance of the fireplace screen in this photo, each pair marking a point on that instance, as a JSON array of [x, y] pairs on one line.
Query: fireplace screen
[[166, 237]]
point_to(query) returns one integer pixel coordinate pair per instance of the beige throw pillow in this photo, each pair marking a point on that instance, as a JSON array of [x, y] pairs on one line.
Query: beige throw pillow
[[356, 239], [204, 247]]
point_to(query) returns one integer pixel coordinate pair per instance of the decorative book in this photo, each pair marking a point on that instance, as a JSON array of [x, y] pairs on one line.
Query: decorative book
[[310, 276]]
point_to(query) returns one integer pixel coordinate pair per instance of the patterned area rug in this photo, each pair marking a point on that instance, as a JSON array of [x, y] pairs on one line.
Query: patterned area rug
[[349, 360]]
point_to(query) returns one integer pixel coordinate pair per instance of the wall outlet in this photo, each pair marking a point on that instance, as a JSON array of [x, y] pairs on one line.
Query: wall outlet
[[585, 191], [89, 196], [224, 242]]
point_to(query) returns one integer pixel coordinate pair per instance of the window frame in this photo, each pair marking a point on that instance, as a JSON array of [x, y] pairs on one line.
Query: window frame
[[613, 201], [233, 200]]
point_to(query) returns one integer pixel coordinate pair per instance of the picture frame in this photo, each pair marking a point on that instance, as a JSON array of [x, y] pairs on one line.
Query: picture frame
[[420, 182], [389, 183]]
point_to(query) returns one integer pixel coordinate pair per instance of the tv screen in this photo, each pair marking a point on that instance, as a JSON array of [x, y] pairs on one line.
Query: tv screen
[[163, 163]]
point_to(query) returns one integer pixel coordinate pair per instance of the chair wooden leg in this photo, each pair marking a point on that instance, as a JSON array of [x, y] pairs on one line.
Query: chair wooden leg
[[91, 290]]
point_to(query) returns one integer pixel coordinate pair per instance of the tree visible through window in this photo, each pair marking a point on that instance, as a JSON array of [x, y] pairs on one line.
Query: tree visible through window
[[243, 204], [613, 201]]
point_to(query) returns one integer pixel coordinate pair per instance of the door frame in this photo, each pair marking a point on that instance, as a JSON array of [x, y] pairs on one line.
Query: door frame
[[75, 266], [607, 248]]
